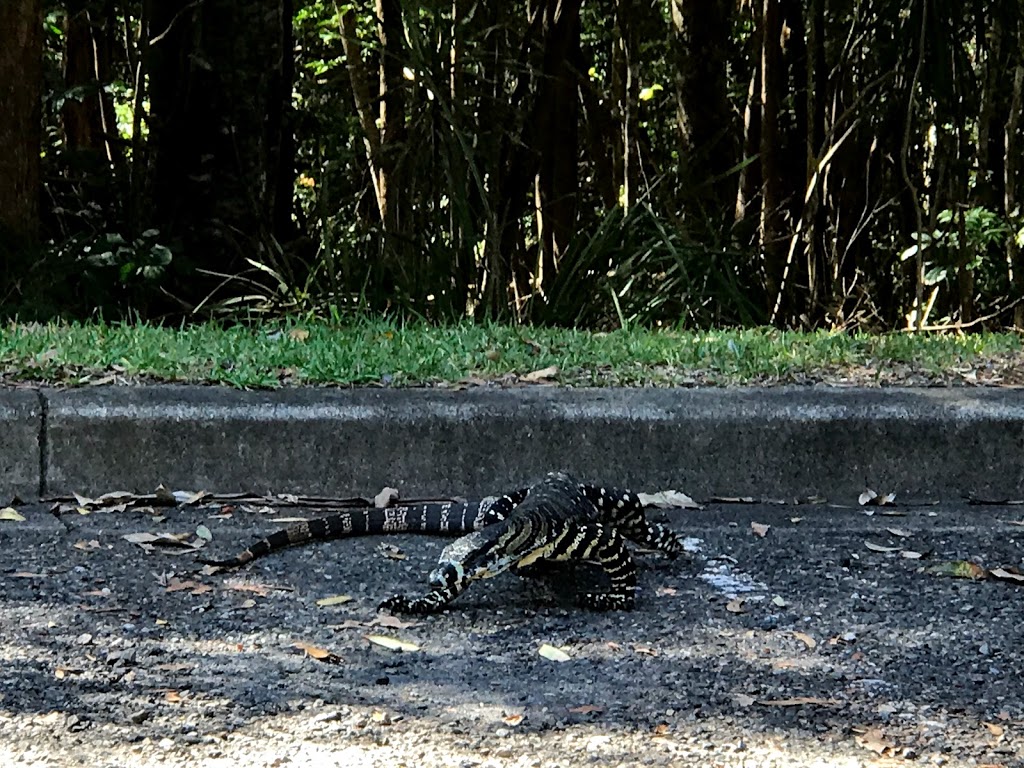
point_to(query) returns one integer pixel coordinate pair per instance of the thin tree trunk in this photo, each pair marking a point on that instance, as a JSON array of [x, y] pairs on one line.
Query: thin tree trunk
[[21, 81], [772, 210], [556, 140], [392, 190], [750, 174], [624, 92], [1011, 169]]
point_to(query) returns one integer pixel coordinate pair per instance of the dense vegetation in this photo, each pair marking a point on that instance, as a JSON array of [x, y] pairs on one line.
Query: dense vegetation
[[827, 163]]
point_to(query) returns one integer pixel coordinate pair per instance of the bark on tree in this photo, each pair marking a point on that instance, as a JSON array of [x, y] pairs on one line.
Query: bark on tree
[[772, 206], [700, 35], [21, 81], [554, 129]]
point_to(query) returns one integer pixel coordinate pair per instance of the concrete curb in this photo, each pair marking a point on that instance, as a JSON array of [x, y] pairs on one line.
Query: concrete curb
[[782, 443]]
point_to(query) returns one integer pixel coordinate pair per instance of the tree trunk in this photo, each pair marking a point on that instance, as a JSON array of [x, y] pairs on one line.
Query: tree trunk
[[700, 35], [220, 93], [21, 82], [750, 174], [391, 188], [555, 137], [772, 205], [1011, 169], [624, 98]]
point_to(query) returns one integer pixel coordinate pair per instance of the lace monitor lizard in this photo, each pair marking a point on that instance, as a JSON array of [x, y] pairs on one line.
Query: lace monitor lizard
[[556, 521]]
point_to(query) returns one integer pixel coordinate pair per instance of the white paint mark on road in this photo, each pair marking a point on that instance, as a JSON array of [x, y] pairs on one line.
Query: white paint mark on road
[[724, 578]]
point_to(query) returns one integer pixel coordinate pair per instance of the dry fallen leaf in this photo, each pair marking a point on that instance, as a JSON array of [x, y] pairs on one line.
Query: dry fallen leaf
[[316, 652], [661, 729], [668, 500], [806, 639], [873, 739], [585, 709], [899, 532], [551, 653], [958, 569], [392, 622], [542, 374], [194, 587], [996, 730], [392, 643], [798, 701], [1007, 574], [910, 554], [173, 697], [760, 529], [779, 602], [645, 650], [247, 604], [86, 545], [513, 720], [12, 515], [880, 547], [385, 498], [203, 532], [323, 602], [870, 497], [391, 552], [736, 605]]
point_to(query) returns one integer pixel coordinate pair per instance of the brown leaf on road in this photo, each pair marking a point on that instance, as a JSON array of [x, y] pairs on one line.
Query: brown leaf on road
[[736, 605], [318, 653], [806, 639], [872, 739], [760, 529], [193, 587], [645, 650], [259, 589], [799, 701], [393, 622], [513, 720], [86, 545]]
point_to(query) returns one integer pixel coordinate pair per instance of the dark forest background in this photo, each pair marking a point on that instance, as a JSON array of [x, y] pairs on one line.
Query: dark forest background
[[825, 163]]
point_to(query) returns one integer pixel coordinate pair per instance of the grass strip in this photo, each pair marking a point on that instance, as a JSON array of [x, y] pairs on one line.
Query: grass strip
[[381, 352]]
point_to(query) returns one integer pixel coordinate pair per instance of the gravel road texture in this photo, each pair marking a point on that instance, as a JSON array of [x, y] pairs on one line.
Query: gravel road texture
[[794, 635]]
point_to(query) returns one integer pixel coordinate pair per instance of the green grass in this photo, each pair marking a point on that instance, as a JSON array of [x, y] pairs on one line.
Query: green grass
[[379, 352]]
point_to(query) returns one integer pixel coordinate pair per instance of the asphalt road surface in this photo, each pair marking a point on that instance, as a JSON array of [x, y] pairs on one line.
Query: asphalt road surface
[[794, 635]]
